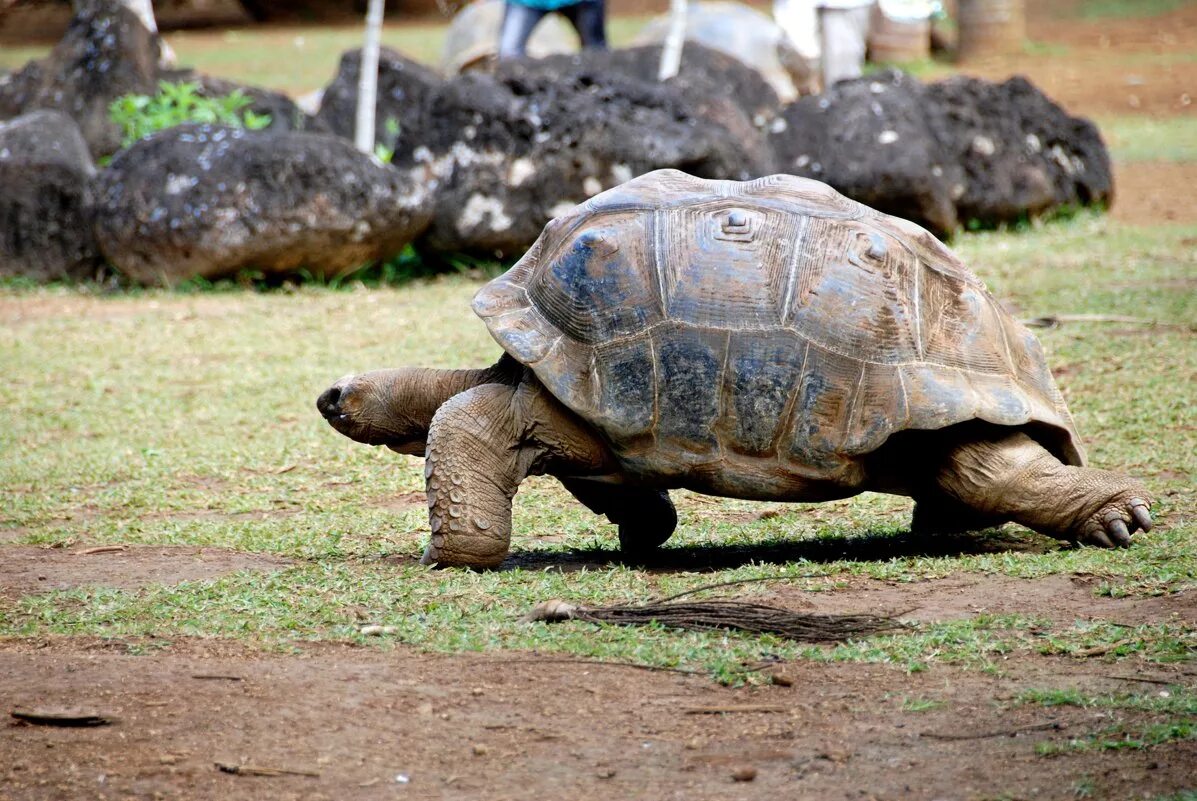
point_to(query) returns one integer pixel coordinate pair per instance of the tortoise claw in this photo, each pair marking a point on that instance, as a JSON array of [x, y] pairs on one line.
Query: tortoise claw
[[1141, 513], [1098, 537], [1118, 532]]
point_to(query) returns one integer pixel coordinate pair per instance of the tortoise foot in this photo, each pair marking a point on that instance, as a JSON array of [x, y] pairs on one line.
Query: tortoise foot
[[1112, 525]]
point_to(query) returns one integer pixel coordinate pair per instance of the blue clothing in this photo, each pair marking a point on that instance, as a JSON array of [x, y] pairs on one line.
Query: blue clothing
[[543, 5], [520, 17]]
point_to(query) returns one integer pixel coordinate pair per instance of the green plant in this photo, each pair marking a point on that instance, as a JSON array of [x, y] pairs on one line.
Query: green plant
[[176, 103], [385, 151]]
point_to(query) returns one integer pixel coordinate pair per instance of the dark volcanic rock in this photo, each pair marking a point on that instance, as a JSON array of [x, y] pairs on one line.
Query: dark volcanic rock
[[45, 206], [715, 86], [106, 52], [405, 89], [1021, 153], [963, 150], [209, 201], [876, 140], [513, 149]]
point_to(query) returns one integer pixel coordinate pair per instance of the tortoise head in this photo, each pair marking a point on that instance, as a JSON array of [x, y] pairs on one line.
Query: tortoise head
[[383, 407]]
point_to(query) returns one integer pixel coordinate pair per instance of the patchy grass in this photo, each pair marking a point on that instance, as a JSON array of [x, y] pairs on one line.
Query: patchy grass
[[1122, 737], [1132, 139], [162, 418], [1098, 9]]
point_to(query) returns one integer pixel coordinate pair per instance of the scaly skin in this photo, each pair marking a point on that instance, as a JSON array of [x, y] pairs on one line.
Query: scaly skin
[[473, 469], [1015, 478]]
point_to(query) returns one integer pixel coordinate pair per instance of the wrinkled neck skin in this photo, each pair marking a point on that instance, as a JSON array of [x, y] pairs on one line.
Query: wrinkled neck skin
[[410, 397]]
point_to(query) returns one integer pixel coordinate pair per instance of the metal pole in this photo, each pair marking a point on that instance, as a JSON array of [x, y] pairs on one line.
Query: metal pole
[[671, 53], [367, 86]]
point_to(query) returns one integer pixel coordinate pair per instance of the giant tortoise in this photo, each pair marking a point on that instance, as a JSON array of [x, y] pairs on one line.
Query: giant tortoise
[[768, 340]]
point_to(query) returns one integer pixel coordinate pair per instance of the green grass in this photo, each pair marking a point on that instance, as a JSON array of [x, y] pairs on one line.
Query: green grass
[[1174, 711], [1175, 700], [1132, 139], [1097, 9], [1122, 738], [170, 418]]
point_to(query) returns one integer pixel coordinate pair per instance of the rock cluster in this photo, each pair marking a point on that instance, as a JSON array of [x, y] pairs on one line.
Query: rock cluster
[[962, 151], [481, 161]]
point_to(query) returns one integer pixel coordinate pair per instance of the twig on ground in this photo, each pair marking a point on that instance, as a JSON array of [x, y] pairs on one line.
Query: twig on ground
[[1146, 679], [216, 676], [258, 770], [102, 549], [736, 583], [606, 663], [719, 710], [41, 717], [1054, 724], [1101, 650], [1056, 320]]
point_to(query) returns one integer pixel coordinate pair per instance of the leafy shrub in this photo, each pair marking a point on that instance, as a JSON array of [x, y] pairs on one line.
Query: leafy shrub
[[176, 103]]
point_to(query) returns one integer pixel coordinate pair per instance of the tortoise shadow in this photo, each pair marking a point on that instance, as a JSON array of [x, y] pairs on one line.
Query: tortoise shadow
[[870, 546]]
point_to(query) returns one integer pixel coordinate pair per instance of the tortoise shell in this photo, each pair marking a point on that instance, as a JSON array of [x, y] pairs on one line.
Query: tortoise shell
[[711, 325]]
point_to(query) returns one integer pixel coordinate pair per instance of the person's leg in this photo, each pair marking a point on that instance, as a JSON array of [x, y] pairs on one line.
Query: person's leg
[[844, 33], [588, 20], [518, 24]]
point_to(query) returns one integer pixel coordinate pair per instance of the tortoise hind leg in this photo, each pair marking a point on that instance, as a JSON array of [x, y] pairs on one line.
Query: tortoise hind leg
[[646, 517], [1013, 477], [938, 513]]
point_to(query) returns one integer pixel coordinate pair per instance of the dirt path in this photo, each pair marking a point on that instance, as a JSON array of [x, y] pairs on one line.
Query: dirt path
[[528, 726], [26, 570], [403, 724]]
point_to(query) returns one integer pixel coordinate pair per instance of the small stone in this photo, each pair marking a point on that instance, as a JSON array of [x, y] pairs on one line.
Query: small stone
[[745, 773], [480, 750], [376, 631]]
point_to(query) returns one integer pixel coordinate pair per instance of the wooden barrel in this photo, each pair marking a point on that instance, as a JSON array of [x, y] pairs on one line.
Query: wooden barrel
[[990, 26], [895, 40]]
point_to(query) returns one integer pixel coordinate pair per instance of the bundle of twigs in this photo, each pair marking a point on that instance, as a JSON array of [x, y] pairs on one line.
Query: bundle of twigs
[[722, 614]]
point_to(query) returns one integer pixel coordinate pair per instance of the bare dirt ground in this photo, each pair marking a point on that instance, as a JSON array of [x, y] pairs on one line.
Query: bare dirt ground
[[334, 721], [337, 722], [27, 570]]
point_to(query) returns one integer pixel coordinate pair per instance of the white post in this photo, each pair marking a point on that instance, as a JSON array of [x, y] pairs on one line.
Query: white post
[[144, 9], [671, 53], [367, 86]]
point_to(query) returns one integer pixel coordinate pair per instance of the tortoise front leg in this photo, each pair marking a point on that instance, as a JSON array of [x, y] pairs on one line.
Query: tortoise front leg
[[1013, 477], [473, 468], [645, 516]]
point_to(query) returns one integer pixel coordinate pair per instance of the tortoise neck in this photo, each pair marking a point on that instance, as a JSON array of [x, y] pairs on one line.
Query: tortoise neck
[[420, 391]]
